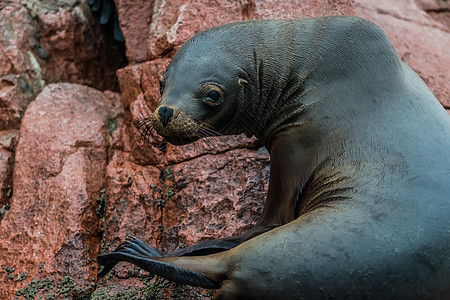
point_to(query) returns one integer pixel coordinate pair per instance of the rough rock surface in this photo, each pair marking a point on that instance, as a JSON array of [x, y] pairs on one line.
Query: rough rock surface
[[50, 234], [135, 18], [420, 33], [20, 75], [54, 41], [43, 42], [87, 171]]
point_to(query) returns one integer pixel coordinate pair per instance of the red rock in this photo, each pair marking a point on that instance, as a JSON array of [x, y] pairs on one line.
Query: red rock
[[420, 40], [133, 199], [142, 78], [279, 9], [214, 196], [8, 139], [20, 77], [210, 145], [47, 42], [75, 49], [51, 231], [139, 85], [135, 18]]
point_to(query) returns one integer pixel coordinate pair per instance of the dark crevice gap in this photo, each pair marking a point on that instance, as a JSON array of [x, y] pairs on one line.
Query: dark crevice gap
[[113, 46]]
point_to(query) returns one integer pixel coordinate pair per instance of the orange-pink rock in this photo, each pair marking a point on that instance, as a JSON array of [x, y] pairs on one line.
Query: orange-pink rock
[[52, 229], [20, 77]]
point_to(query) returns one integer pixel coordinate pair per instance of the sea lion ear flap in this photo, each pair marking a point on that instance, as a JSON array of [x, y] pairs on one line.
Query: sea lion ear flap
[[242, 82]]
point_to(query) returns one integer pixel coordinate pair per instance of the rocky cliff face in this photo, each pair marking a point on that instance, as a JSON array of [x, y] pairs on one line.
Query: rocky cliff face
[[76, 174]]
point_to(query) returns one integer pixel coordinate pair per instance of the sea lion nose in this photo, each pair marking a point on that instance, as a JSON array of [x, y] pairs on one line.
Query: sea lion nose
[[165, 113]]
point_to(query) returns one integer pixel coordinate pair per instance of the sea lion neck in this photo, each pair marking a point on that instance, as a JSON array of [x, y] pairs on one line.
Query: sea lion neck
[[318, 64]]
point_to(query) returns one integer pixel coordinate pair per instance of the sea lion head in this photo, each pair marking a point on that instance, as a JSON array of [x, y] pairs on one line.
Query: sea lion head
[[201, 92]]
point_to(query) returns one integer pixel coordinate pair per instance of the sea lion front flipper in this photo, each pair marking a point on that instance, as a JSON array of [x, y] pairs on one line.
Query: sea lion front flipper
[[132, 251], [132, 245]]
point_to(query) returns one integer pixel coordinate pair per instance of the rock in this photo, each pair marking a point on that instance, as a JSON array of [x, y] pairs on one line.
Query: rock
[[50, 235], [135, 18], [73, 48], [20, 75], [50, 41], [437, 9], [419, 39], [214, 196]]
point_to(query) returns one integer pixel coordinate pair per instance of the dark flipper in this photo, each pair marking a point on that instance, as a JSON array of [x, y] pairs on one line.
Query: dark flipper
[[136, 252], [133, 246]]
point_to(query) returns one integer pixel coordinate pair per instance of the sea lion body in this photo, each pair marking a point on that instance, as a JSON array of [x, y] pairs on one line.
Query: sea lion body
[[358, 204]]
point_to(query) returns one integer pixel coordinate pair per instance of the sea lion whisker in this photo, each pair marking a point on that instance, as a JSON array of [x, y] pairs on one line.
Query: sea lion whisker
[[210, 127], [208, 132], [212, 137], [145, 128], [206, 140]]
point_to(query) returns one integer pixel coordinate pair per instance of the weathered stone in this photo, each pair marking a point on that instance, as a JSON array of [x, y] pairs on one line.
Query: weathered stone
[[210, 145], [50, 41], [279, 9], [73, 48], [50, 235], [8, 139], [134, 205], [439, 10], [214, 196], [135, 18], [419, 40], [20, 75], [142, 78]]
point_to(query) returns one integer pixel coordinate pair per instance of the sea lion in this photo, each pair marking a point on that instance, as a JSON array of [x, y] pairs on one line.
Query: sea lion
[[358, 205]]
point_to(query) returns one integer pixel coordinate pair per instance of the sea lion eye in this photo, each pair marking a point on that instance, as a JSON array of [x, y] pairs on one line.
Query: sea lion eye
[[213, 95]]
